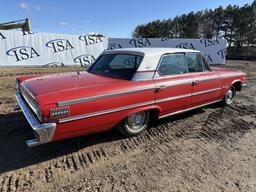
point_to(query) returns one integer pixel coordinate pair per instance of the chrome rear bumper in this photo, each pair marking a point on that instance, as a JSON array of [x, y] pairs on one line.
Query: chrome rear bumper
[[43, 132]]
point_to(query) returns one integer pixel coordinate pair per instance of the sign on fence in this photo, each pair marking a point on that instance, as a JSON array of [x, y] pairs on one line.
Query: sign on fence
[[47, 49], [213, 49]]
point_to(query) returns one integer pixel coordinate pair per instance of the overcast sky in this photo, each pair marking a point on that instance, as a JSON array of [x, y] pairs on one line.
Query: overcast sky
[[114, 18]]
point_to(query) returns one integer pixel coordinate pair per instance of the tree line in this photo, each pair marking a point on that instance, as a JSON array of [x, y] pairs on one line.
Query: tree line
[[237, 24]]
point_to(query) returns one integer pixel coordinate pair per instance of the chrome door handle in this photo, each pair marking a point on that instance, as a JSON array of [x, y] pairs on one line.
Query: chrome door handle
[[195, 82], [161, 87]]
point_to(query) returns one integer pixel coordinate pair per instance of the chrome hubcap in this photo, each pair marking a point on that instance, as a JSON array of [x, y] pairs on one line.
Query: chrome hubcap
[[136, 121], [229, 96]]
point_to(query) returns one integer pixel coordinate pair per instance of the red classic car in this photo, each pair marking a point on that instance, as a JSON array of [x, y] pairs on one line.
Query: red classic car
[[124, 88]]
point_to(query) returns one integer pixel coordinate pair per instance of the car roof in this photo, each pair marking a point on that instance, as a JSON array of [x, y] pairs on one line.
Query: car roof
[[151, 58], [152, 50]]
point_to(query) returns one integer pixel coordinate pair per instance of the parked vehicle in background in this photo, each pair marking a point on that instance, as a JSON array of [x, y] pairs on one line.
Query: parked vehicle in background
[[124, 88]]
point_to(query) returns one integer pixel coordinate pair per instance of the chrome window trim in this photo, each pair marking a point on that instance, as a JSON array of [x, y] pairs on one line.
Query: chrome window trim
[[180, 75], [78, 117]]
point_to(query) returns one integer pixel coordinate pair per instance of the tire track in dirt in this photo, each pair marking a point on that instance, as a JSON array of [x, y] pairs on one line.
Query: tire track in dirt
[[159, 135], [9, 184], [80, 160], [203, 125], [17, 182]]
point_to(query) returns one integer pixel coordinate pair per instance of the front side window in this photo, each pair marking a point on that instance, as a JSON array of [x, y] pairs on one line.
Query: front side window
[[172, 64], [121, 66], [194, 62]]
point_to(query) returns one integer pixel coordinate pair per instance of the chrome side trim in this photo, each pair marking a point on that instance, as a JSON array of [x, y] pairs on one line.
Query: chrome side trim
[[186, 95], [44, 132], [63, 120], [229, 76], [207, 79], [177, 83], [185, 110], [172, 98], [92, 98], [67, 119], [206, 91], [103, 96]]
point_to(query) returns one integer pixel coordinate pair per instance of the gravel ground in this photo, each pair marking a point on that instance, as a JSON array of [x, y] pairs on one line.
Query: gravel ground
[[209, 149]]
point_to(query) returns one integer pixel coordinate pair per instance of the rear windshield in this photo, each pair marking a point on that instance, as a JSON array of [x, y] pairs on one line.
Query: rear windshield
[[122, 66]]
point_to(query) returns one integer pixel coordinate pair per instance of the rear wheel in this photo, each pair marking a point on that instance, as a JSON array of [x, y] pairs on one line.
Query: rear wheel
[[229, 97], [134, 124]]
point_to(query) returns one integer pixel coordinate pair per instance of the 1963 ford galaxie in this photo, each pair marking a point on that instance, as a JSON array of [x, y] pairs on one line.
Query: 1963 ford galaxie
[[125, 89]]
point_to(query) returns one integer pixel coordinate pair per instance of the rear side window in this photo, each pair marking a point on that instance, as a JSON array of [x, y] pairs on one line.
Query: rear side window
[[194, 62], [172, 64]]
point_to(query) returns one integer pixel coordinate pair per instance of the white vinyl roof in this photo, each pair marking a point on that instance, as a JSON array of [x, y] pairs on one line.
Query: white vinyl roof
[[154, 51], [151, 55]]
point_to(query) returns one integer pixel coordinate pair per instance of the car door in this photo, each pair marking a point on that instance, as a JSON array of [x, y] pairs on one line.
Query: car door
[[173, 82], [206, 86]]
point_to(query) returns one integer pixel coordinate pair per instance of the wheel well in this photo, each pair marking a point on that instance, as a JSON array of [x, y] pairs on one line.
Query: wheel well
[[154, 113], [237, 85]]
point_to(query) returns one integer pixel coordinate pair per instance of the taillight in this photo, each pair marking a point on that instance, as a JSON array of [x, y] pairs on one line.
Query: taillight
[[58, 113]]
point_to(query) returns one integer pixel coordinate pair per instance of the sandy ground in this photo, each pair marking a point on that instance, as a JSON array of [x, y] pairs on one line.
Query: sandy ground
[[210, 149]]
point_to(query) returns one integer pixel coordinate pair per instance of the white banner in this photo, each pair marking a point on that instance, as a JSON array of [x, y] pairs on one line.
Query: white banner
[[46, 49], [213, 49]]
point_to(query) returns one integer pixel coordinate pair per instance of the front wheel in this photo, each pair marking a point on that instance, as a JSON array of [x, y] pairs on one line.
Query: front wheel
[[134, 124], [229, 97]]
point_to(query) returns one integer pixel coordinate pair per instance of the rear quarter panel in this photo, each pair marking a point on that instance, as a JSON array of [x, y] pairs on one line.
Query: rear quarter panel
[[107, 121]]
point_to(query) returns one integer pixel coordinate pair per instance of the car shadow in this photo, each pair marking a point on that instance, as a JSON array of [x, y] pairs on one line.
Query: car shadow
[[14, 131]]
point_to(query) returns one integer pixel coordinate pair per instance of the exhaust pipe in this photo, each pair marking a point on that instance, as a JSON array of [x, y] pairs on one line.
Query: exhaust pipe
[[32, 142]]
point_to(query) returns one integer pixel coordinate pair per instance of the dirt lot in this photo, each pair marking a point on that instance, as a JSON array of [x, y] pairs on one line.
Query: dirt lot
[[210, 149]]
